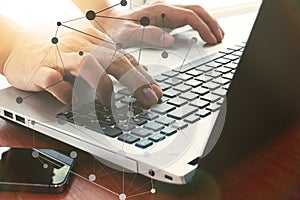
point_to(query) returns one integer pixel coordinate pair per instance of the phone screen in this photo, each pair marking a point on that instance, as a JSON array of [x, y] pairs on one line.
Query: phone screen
[[34, 170]]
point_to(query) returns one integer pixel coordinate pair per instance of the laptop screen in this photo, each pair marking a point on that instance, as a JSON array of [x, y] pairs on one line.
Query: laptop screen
[[264, 96]]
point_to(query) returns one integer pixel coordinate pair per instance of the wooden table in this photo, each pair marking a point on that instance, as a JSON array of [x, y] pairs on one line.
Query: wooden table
[[271, 171]]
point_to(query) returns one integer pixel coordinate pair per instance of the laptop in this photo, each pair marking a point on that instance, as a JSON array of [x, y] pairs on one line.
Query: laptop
[[215, 107]]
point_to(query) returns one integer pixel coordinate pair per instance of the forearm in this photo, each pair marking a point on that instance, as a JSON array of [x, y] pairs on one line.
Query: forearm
[[8, 34], [95, 5]]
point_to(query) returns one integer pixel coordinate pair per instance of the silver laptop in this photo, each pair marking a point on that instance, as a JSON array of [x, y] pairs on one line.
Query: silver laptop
[[166, 142]]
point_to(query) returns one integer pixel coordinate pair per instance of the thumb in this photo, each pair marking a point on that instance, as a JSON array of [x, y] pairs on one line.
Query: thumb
[[158, 37]]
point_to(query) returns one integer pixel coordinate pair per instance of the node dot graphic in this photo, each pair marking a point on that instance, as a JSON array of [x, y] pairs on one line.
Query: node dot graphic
[[54, 40], [119, 46], [92, 177], [164, 54], [45, 166], [122, 196], [73, 154], [19, 100], [80, 53], [123, 3], [90, 15], [153, 191], [145, 21], [58, 23], [35, 154], [194, 40]]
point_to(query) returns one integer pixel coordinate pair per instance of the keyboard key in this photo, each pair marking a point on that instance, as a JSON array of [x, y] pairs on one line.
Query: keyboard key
[[157, 137], [149, 115], [223, 70], [165, 120], [184, 77], [211, 97], [192, 119], [231, 57], [81, 120], [182, 112], [237, 53], [128, 138], [220, 92], [112, 132], [235, 48], [227, 51], [109, 120], [204, 78], [221, 81], [213, 64], [179, 125], [138, 121], [213, 107], [141, 132], [168, 131], [67, 116], [200, 90], [213, 74], [160, 78], [205, 68], [231, 65], [162, 108], [211, 85], [173, 81], [164, 86], [203, 113], [190, 96], [228, 76], [125, 126], [199, 103], [163, 100], [177, 101], [182, 88], [144, 143], [171, 93], [170, 74], [193, 83], [194, 72], [222, 61], [154, 126]]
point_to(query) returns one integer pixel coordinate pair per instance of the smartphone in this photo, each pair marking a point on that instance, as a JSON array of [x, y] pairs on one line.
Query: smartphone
[[34, 170]]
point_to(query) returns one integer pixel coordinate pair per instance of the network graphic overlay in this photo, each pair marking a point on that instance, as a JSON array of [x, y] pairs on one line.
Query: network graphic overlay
[[110, 50]]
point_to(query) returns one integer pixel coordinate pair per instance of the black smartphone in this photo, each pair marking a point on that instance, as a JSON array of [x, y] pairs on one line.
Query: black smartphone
[[34, 170]]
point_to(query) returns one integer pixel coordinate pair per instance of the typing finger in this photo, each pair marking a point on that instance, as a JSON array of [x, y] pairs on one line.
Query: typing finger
[[208, 19], [51, 80]]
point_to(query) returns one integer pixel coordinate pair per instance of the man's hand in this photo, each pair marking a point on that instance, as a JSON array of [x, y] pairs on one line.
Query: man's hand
[[41, 63], [159, 18]]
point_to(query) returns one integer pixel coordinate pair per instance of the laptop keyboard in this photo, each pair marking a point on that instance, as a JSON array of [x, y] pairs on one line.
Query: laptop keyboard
[[191, 93]]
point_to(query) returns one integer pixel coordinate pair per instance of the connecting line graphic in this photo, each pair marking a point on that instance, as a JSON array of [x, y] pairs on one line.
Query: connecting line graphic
[[193, 42], [93, 16]]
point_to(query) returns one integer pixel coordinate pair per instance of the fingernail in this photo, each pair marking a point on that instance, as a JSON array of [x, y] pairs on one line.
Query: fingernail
[[150, 96], [157, 90]]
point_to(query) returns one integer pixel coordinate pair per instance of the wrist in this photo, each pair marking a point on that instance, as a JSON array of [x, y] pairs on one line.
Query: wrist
[[8, 36]]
